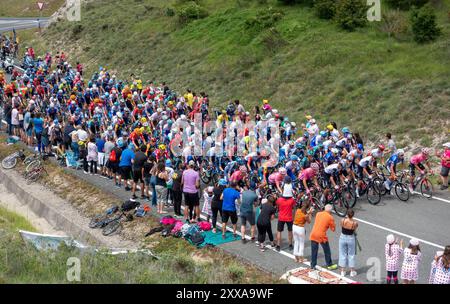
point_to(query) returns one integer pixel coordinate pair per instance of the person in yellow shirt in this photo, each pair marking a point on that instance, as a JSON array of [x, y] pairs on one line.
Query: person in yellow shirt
[[189, 99], [222, 119]]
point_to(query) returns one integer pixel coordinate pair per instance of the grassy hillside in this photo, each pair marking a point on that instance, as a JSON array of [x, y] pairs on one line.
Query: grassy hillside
[[28, 8], [302, 64]]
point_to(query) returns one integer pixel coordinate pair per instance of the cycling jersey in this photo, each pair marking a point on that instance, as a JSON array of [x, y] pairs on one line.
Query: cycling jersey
[[365, 162], [394, 160], [418, 158], [237, 176], [307, 174], [376, 153], [276, 177], [332, 169]]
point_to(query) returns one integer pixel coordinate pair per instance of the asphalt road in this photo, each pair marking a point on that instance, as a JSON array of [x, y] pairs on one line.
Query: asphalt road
[[8, 24], [424, 219]]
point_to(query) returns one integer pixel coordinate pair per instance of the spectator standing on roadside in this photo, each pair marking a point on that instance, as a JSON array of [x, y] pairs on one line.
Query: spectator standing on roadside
[[301, 218], [191, 183], [208, 195], [285, 205], [230, 198], [138, 170], [391, 147], [445, 165], [392, 250], [347, 244], [125, 166], [100, 142], [263, 223], [247, 212], [109, 146], [149, 166], [411, 259], [38, 127], [324, 221], [177, 191], [92, 156], [161, 186], [440, 267], [216, 204]]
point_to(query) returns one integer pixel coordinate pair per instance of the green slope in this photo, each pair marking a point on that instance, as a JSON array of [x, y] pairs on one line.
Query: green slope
[[303, 65]]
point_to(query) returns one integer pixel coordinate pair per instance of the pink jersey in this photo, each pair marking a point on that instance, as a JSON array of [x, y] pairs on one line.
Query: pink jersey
[[276, 177], [237, 176], [418, 158], [307, 174], [410, 267]]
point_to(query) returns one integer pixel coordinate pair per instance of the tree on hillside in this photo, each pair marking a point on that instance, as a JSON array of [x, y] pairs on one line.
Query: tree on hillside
[[406, 4], [424, 26], [325, 9], [351, 14]]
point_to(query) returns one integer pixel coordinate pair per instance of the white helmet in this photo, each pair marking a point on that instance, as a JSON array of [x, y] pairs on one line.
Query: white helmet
[[275, 111], [400, 152], [268, 116], [119, 114], [334, 151], [293, 124]]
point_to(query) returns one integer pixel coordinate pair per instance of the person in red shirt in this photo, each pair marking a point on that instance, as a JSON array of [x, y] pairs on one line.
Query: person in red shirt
[[285, 205], [445, 165]]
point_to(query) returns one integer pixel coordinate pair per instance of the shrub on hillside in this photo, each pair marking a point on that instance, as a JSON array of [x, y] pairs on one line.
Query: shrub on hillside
[[406, 4], [423, 23], [190, 11], [292, 2], [325, 9], [393, 23], [351, 14], [265, 18]]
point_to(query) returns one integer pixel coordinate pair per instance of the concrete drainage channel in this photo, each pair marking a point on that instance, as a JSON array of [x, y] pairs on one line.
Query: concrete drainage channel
[[57, 212]]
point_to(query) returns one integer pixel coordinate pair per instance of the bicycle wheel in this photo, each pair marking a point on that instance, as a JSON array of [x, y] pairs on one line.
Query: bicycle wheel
[[9, 162], [28, 160], [340, 206], [96, 220], [401, 191], [373, 194], [33, 176], [33, 165], [426, 188], [216, 178], [379, 183], [350, 196], [318, 206], [111, 227]]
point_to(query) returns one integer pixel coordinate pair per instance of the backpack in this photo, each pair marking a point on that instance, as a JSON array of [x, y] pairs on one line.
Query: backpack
[[129, 205], [193, 229], [113, 156], [168, 220], [205, 226], [184, 229], [197, 239]]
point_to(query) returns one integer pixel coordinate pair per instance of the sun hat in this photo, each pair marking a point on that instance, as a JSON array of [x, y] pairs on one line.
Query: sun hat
[[390, 239], [414, 242]]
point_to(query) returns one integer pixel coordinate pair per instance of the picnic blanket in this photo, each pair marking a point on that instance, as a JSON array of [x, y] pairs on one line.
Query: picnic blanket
[[216, 239]]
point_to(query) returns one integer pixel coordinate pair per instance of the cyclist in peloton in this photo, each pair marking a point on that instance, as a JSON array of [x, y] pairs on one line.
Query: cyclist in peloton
[[364, 170], [307, 176], [416, 162], [277, 178], [397, 158]]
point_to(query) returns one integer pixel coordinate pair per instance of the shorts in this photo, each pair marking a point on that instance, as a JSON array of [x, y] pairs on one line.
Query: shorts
[[444, 171], [360, 172], [229, 215], [248, 217], [147, 180], [101, 159], [137, 176], [412, 168], [125, 172], [280, 226], [114, 167], [191, 199]]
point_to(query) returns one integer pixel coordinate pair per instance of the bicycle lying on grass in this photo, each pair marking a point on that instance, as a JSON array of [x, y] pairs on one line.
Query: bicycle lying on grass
[[10, 161], [34, 174]]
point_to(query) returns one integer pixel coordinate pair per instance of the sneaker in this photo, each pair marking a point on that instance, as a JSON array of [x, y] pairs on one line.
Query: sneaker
[[343, 273], [386, 185], [127, 188], [134, 196], [353, 273], [357, 193], [257, 243], [85, 172], [278, 248], [332, 267], [262, 248], [443, 187]]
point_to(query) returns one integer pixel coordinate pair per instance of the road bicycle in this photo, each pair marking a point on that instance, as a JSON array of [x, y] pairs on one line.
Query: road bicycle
[[342, 199], [116, 223], [426, 187], [10, 161], [209, 173], [101, 220], [312, 198], [35, 174], [370, 189]]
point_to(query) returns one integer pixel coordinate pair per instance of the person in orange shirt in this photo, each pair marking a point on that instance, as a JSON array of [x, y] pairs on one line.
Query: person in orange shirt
[[324, 221]]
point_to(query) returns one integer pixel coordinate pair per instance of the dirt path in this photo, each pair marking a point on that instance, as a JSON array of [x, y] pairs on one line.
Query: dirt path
[[12, 203]]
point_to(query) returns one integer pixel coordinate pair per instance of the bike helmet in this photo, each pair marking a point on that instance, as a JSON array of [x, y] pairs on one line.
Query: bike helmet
[[243, 169], [293, 124], [400, 152], [359, 147], [323, 134], [162, 147], [168, 163], [294, 158], [334, 151], [381, 147], [282, 171], [425, 151], [345, 130], [315, 167]]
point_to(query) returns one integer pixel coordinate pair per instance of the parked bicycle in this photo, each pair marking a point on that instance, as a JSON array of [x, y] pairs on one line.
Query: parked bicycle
[[35, 174], [10, 161], [116, 223]]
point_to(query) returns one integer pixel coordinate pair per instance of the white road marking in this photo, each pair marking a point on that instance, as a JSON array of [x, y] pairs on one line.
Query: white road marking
[[437, 198]]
